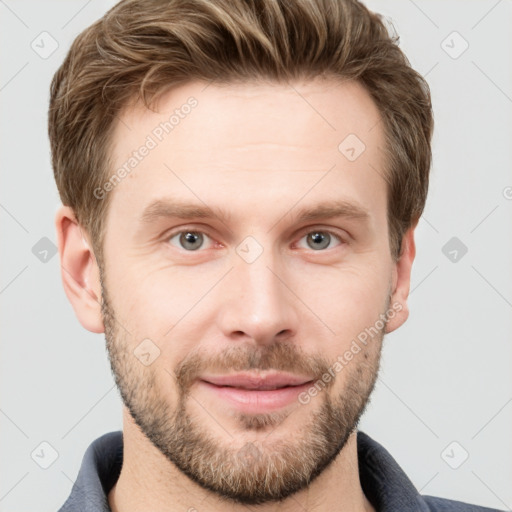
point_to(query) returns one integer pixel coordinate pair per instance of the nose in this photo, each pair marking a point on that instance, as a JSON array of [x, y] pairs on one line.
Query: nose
[[257, 302]]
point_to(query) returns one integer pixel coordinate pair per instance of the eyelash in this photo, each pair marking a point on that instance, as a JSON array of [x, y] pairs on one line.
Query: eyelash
[[333, 234]]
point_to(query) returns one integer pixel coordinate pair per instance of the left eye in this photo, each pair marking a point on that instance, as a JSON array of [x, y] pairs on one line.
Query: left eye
[[318, 240], [189, 240]]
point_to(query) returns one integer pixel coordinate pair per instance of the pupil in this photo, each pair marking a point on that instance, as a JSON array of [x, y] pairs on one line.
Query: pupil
[[320, 240]]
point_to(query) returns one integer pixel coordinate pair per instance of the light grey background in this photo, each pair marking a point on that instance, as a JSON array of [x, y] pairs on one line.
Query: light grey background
[[446, 375]]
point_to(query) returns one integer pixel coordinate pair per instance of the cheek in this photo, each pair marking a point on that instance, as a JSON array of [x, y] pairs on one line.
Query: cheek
[[163, 305], [157, 298], [348, 298]]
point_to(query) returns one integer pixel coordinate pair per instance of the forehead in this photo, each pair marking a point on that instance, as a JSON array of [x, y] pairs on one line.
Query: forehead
[[250, 144], [320, 112]]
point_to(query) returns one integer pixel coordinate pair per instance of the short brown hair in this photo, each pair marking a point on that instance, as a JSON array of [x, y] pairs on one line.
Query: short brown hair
[[142, 48]]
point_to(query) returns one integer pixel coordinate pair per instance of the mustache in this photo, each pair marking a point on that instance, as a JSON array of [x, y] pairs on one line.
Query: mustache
[[279, 356]]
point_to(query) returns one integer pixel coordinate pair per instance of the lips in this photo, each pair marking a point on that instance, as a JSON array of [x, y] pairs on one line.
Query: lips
[[255, 393], [257, 381]]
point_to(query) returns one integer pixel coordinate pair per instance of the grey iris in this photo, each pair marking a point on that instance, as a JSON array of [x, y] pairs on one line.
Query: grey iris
[[189, 238], [320, 240]]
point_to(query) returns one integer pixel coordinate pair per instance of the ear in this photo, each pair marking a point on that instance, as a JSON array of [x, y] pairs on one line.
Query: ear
[[79, 270], [401, 281]]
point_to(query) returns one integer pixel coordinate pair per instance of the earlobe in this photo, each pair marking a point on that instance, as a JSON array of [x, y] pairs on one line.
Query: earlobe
[[401, 282], [79, 270]]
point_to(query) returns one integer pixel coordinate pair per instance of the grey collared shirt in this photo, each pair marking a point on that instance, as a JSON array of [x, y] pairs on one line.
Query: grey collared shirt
[[383, 481]]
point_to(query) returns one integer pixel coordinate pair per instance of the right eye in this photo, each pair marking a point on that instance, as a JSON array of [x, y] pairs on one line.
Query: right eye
[[188, 239]]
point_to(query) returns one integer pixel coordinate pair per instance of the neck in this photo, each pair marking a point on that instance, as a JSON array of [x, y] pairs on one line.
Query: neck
[[149, 481]]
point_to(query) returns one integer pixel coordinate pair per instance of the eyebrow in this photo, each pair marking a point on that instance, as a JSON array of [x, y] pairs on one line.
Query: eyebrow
[[169, 208]]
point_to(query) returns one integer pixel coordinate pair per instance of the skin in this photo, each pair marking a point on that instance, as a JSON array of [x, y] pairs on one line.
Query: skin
[[260, 152]]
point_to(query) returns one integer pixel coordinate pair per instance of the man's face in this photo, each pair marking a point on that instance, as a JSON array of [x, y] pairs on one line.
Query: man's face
[[255, 292]]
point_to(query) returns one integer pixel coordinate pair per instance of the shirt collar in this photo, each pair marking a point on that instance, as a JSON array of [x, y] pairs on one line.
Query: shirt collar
[[383, 481]]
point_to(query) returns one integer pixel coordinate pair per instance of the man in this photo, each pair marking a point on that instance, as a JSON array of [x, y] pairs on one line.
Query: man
[[241, 182]]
